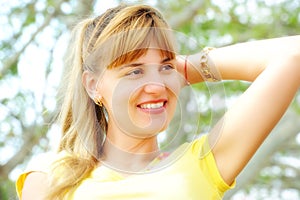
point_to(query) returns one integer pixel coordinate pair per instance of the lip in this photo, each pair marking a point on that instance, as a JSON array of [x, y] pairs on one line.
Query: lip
[[153, 110]]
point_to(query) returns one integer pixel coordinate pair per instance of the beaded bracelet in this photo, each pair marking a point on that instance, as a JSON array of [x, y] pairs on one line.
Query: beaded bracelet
[[204, 67]]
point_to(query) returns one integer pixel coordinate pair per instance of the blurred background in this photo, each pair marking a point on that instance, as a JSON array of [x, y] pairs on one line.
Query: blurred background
[[33, 39]]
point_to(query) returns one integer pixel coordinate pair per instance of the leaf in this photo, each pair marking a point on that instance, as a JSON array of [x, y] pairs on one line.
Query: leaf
[[13, 69]]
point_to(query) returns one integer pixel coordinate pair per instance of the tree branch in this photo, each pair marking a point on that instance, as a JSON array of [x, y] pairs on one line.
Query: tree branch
[[32, 134], [186, 14], [8, 64]]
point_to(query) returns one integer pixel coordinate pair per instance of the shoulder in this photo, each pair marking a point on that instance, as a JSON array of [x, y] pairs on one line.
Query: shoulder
[[33, 180], [34, 186]]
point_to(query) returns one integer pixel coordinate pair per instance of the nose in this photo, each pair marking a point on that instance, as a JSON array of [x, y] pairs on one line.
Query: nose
[[154, 82], [155, 87]]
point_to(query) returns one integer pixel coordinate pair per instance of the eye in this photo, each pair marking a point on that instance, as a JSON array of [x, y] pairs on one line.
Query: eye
[[134, 72], [166, 67]]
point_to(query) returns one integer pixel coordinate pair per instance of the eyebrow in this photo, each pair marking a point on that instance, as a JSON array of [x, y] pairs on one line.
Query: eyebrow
[[131, 65], [140, 64], [165, 60]]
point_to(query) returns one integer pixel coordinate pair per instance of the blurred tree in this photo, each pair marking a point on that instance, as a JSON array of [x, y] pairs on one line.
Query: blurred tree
[[32, 45]]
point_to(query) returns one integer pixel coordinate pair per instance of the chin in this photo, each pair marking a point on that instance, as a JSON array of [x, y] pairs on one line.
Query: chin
[[157, 130], [148, 132]]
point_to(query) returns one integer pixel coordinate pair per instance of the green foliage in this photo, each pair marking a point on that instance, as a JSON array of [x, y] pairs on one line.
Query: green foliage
[[7, 190], [13, 70], [296, 104]]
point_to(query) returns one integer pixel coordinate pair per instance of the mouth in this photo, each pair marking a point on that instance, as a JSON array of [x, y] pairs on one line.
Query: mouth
[[151, 106]]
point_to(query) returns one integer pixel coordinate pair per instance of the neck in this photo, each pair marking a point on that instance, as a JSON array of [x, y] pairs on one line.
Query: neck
[[129, 154]]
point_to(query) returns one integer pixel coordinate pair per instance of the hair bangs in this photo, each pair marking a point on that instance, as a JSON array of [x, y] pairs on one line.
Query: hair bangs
[[135, 44]]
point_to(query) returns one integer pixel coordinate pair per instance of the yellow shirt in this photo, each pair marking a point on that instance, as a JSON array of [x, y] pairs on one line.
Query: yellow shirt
[[188, 176]]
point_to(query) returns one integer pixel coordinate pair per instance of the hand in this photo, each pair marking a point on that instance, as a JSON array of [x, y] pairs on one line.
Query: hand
[[180, 64]]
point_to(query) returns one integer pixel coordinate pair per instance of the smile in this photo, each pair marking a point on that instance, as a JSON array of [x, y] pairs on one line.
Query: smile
[[152, 105]]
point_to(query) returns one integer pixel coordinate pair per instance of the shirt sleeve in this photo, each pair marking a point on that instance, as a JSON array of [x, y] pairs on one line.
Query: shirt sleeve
[[201, 148]]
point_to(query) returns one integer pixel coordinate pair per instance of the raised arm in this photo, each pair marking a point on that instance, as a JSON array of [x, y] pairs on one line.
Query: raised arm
[[274, 66], [243, 61]]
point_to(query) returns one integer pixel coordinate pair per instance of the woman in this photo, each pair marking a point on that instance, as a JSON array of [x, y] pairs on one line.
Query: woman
[[123, 80]]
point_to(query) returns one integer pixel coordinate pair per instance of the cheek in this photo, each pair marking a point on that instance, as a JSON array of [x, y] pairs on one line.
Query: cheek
[[173, 84], [121, 104], [120, 97], [173, 88]]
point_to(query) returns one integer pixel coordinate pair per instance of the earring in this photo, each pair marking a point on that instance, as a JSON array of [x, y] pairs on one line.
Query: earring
[[98, 101]]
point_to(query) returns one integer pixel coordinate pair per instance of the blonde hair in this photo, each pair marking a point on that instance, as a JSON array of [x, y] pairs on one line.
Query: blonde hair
[[106, 41]]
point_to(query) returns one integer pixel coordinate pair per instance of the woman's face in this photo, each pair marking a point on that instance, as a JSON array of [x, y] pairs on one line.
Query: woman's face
[[140, 97]]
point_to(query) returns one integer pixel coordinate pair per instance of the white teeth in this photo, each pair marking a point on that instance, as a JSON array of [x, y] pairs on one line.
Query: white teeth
[[152, 105]]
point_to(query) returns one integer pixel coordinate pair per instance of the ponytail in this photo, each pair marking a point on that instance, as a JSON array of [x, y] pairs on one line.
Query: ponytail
[[81, 142]]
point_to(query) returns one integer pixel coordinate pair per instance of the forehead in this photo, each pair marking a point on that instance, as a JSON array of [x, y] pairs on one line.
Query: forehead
[[153, 55]]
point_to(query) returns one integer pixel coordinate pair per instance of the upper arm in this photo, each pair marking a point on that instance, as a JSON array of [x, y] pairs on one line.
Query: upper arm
[[247, 123], [34, 187]]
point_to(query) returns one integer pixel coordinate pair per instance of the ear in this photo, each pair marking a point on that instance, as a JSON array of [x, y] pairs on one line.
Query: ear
[[89, 81]]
